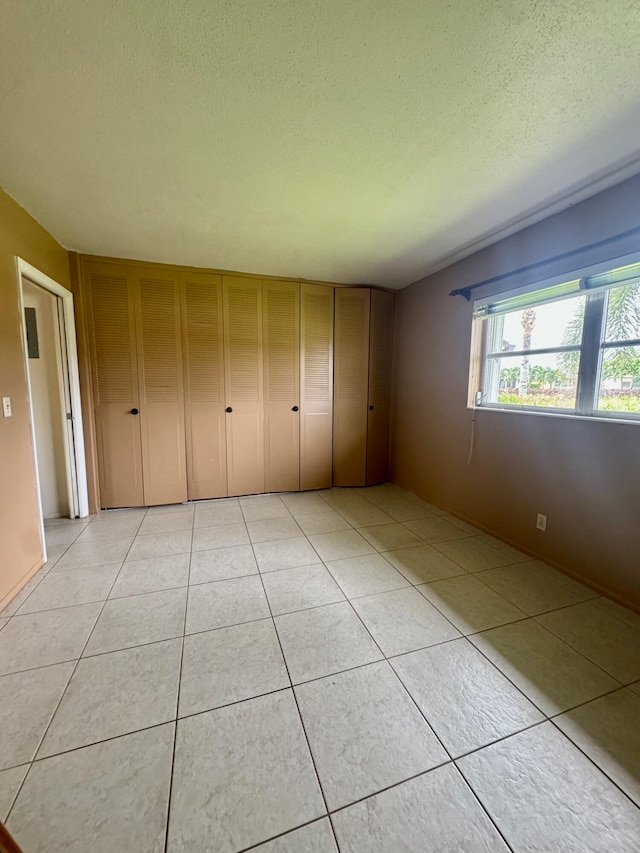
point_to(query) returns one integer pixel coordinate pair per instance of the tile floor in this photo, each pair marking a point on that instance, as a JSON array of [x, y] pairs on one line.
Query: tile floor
[[348, 670]]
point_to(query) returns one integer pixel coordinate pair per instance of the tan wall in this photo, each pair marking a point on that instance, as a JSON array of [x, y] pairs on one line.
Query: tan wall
[[20, 542], [584, 475]]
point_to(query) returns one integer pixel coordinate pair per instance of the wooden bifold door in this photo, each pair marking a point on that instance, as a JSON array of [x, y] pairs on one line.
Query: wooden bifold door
[[207, 385], [134, 330]]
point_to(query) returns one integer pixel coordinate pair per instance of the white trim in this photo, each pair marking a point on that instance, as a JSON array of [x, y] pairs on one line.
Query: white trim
[[26, 270]]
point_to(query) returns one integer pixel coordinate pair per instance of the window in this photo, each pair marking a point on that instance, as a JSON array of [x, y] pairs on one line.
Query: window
[[572, 347]]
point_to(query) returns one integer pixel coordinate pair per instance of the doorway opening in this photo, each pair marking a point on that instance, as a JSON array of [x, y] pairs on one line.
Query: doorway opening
[[54, 396]]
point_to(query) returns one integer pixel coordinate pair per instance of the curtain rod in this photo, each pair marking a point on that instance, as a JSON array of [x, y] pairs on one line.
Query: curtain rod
[[466, 291]]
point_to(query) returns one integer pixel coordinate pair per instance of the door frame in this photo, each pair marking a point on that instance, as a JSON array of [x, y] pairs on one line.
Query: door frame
[[75, 460]]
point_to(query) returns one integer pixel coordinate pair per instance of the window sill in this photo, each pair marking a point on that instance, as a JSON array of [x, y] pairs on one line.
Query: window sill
[[563, 414]]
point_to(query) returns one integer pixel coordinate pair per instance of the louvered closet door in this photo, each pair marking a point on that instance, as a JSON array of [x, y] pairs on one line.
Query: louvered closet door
[[316, 386], [243, 366], [281, 329], [111, 315], [350, 386], [380, 370], [164, 466], [203, 358]]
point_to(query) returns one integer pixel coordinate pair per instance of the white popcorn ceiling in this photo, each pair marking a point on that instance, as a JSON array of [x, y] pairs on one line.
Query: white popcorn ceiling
[[359, 141]]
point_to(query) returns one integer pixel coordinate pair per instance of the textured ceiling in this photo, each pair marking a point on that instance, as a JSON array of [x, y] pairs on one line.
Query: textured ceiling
[[346, 140]]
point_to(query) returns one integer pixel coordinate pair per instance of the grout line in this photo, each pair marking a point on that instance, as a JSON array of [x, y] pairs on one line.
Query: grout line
[[175, 724], [64, 692], [295, 699]]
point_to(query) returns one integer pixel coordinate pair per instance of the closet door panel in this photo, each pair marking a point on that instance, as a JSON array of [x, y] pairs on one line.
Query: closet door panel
[[281, 327], [380, 373], [161, 390], [114, 371], [351, 386], [202, 337], [316, 386], [243, 365]]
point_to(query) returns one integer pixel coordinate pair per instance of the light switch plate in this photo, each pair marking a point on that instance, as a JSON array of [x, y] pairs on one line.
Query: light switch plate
[[6, 407]]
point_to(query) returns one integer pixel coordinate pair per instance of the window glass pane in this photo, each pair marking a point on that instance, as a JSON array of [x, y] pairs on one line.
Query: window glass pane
[[620, 380], [537, 380], [554, 325], [623, 313]]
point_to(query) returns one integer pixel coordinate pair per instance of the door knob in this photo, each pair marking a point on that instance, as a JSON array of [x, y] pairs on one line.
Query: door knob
[[370, 408], [134, 411], [294, 409], [228, 409]]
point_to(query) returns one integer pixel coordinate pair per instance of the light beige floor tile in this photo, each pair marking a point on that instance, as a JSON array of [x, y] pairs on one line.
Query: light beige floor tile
[[535, 587], [160, 544], [263, 508], [110, 515], [515, 555], [284, 554], [29, 700], [403, 620], [366, 575], [612, 644], [545, 795], [53, 555], [84, 555], [151, 575], [322, 522], [463, 525], [547, 670], [138, 619], [339, 545], [270, 529], [468, 701], [365, 733], [50, 523], [366, 516], [402, 508], [51, 636], [10, 781], [300, 588], [304, 503], [224, 536], [473, 554], [316, 837], [229, 665], [217, 515], [110, 796], [63, 534], [624, 614], [114, 694], [18, 600], [390, 537], [223, 603], [117, 528], [242, 774], [80, 586], [431, 814], [340, 498], [422, 564], [324, 640], [222, 564], [167, 522], [172, 509], [469, 604], [435, 529], [608, 730]]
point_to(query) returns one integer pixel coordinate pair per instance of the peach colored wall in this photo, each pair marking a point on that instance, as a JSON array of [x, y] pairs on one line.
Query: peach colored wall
[[584, 475], [20, 552]]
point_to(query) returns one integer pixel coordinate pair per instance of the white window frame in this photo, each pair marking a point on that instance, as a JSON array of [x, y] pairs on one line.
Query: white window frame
[[594, 283]]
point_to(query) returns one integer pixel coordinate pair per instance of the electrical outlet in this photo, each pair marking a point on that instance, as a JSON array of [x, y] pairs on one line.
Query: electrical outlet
[[541, 523], [6, 407]]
